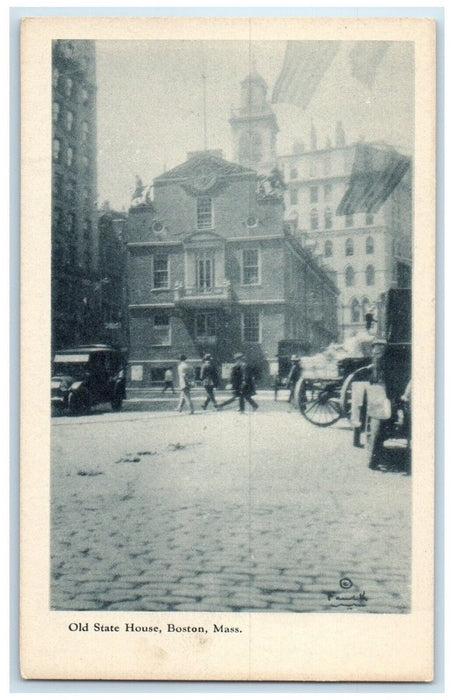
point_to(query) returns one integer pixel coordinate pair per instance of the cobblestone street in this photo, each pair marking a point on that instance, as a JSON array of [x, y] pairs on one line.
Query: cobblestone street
[[154, 510]]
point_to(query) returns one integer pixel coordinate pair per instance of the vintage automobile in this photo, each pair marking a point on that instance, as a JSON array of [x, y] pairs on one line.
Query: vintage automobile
[[87, 375], [385, 399]]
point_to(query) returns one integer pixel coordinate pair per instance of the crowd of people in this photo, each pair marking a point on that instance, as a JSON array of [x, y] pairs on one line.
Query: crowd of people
[[242, 383]]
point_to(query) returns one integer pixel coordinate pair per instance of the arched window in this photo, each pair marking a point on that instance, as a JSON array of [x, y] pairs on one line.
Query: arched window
[[328, 218], [314, 219], [349, 249], [69, 121], [369, 245], [365, 305], [85, 129], [328, 249], [55, 111], [349, 220], [355, 311], [349, 277], [55, 77], [56, 147], [370, 275]]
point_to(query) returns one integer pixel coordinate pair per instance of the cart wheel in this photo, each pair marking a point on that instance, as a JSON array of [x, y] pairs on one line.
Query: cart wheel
[[374, 442], [346, 396], [319, 406]]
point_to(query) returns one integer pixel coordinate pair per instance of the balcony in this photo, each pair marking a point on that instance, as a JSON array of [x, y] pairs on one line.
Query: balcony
[[203, 296]]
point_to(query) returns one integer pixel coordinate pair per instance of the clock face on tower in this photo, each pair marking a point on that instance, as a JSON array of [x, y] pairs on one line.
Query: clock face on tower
[[203, 178]]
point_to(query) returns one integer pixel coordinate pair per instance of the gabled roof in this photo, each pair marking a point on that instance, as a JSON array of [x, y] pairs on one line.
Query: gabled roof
[[223, 168]]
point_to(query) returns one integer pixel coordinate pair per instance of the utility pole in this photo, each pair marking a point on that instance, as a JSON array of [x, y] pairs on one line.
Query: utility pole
[[204, 81]]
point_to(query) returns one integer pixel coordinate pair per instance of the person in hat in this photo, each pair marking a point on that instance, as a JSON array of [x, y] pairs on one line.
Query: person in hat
[[293, 376], [210, 380], [168, 381], [243, 385], [185, 378]]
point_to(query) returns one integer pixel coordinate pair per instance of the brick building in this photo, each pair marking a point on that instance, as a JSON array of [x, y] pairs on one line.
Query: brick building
[[75, 308], [212, 267]]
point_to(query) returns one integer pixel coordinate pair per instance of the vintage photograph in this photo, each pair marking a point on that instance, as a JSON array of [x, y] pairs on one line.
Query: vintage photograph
[[228, 269], [231, 325]]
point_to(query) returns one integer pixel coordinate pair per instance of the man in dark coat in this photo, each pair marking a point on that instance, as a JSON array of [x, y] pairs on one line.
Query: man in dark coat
[[293, 376], [243, 385], [209, 377]]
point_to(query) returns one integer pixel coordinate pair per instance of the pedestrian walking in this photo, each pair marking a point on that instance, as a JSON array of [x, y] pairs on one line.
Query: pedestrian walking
[[243, 384], [293, 376], [210, 380], [185, 378], [168, 381]]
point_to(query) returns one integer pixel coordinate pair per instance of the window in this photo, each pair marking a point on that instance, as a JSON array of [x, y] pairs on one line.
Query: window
[[369, 219], [205, 325], [84, 96], [68, 87], [349, 277], [314, 195], [370, 275], [160, 271], [293, 173], [251, 326], [355, 311], [349, 249], [57, 187], [84, 162], [204, 271], [69, 156], [87, 256], [204, 212], [328, 189], [328, 249], [87, 229], [55, 77], [328, 218], [84, 131], [293, 197], [365, 307], [251, 266], [56, 148], [70, 191], [369, 245], [69, 49], [314, 219], [349, 220], [312, 168], [69, 121], [161, 329], [55, 111]]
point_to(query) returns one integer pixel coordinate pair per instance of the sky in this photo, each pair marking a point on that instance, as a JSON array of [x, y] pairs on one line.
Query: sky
[[150, 104]]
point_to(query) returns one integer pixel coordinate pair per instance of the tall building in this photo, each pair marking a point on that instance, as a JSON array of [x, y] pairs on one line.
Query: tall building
[[213, 268], [369, 252], [75, 302]]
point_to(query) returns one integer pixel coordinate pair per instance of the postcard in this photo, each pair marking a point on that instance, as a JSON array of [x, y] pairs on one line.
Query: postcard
[[227, 348]]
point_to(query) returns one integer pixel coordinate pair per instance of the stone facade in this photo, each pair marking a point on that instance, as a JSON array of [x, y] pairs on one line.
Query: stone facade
[[212, 268], [368, 253], [75, 305]]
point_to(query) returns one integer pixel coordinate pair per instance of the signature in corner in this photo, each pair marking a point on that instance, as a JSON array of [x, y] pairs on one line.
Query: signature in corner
[[348, 601]]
